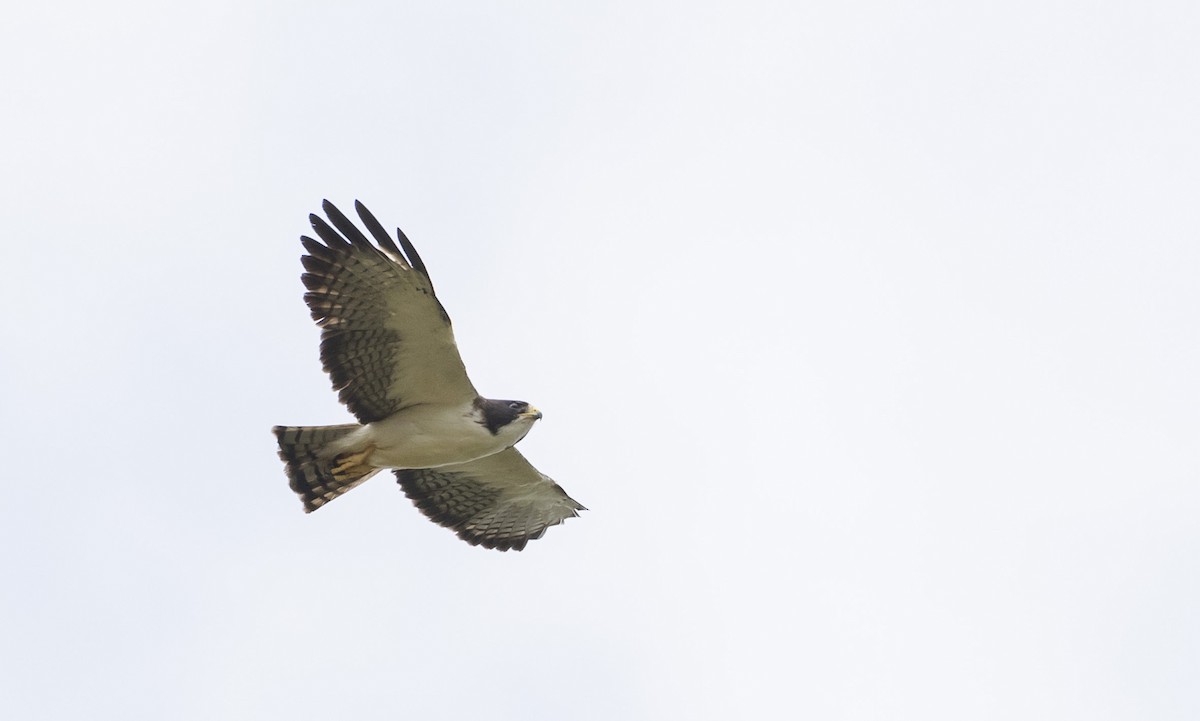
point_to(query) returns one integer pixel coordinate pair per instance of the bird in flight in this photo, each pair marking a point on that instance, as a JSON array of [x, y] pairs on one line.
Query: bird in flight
[[388, 347]]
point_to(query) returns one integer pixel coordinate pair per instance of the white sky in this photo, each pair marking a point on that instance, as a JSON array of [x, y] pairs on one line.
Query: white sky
[[868, 332]]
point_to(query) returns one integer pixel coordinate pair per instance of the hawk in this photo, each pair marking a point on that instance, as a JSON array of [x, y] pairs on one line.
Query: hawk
[[388, 347]]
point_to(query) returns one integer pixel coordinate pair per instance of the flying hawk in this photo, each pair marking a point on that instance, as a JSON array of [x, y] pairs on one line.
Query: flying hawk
[[388, 347]]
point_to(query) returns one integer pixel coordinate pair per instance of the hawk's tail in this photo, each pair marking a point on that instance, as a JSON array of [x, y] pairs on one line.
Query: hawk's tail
[[310, 470]]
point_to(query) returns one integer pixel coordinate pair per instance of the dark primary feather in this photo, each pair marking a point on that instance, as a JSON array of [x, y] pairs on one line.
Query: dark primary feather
[[326, 233], [348, 229], [409, 253], [413, 256], [385, 241]]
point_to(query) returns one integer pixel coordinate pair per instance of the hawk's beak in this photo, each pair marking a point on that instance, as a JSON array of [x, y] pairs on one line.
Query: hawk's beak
[[533, 413]]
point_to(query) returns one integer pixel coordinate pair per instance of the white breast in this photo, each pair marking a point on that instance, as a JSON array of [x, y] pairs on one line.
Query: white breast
[[428, 436]]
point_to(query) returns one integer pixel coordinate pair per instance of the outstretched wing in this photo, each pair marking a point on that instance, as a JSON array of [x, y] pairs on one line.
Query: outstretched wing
[[386, 341], [499, 501]]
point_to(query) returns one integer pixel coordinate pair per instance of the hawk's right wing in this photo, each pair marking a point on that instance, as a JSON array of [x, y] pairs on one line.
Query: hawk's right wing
[[499, 501]]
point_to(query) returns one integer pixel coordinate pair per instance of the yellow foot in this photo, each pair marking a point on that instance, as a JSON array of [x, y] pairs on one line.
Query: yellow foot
[[349, 466]]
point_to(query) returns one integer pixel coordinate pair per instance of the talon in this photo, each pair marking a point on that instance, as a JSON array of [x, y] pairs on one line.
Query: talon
[[349, 466]]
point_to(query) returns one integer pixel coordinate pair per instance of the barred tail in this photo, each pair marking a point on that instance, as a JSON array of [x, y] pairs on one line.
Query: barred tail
[[309, 470]]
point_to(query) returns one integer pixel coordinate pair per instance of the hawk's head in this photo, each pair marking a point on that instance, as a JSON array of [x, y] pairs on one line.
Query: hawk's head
[[509, 417]]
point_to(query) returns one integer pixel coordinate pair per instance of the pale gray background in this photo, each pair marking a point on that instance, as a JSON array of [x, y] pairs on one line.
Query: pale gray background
[[868, 332]]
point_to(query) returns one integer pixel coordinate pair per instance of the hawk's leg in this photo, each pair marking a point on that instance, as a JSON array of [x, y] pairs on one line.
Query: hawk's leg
[[350, 466]]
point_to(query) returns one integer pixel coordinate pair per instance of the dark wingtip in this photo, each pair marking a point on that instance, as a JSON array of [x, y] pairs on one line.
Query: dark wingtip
[[315, 248], [346, 227], [326, 232], [413, 256], [376, 229]]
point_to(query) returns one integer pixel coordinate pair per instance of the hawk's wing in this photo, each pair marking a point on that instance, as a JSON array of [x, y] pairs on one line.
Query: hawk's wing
[[499, 501], [386, 341]]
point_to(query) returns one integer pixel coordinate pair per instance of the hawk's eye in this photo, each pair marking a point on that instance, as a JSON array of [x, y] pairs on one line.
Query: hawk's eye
[[516, 406]]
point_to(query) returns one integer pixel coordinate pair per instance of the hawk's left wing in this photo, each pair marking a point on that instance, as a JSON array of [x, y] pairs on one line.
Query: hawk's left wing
[[499, 501], [386, 341]]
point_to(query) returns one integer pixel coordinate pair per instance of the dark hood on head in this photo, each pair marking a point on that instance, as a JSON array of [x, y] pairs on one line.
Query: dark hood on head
[[498, 413]]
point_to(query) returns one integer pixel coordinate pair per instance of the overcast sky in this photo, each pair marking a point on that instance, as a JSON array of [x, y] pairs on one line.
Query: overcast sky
[[868, 332]]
